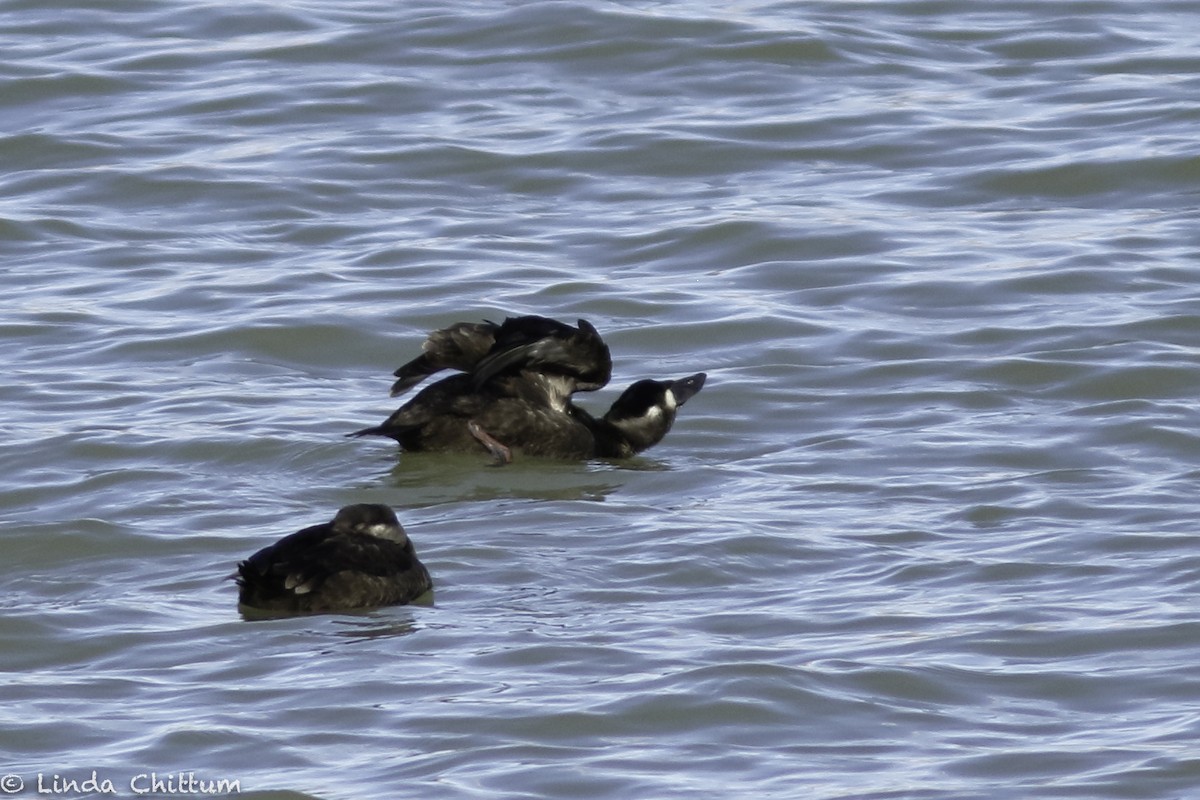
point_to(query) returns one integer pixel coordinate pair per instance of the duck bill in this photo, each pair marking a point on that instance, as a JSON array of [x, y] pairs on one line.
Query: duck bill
[[684, 388]]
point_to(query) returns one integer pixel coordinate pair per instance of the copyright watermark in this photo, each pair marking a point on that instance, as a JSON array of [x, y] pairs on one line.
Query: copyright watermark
[[52, 784]]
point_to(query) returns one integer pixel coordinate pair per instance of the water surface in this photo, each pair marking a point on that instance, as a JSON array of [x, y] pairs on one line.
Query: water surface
[[927, 532]]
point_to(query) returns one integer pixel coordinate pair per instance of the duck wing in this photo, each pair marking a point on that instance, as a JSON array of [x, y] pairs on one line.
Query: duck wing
[[546, 346], [459, 346]]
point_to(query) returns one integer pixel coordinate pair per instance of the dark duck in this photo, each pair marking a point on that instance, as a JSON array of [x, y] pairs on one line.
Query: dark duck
[[360, 559], [514, 392]]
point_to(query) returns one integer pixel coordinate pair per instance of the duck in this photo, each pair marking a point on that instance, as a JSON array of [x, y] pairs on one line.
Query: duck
[[565, 359], [361, 558], [523, 412]]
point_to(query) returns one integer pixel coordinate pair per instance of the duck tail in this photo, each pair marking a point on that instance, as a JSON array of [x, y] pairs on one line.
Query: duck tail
[[375, 430]]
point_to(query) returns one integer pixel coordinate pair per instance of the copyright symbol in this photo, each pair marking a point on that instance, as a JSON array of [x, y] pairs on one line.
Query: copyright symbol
[[11, 784]]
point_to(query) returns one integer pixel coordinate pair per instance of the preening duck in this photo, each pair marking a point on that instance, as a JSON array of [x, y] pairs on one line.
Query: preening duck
[[359, 559], [452, 415], [513, 391]]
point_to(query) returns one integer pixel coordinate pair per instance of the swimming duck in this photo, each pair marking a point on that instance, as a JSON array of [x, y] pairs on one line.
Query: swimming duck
[[567, 359], [361, 558], [522, 412]]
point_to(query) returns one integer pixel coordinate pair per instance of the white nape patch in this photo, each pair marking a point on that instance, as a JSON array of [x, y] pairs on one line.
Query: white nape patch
[[669, 400]]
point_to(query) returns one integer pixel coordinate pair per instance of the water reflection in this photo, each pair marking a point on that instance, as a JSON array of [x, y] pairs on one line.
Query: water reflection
[[435, 478]]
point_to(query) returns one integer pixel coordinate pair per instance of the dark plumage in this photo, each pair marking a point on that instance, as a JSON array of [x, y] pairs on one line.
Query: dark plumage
[[571, 359], [460, 346], [514, 391], [522, 412], [361, 558]]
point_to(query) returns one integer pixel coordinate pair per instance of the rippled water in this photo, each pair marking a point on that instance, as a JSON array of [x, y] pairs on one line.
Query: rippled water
[[928, 531]]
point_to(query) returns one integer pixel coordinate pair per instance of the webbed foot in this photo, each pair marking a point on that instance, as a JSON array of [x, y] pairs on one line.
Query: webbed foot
[[499, 452]]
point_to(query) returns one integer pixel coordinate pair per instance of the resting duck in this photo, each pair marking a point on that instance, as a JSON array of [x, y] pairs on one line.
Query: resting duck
[[361, 558]]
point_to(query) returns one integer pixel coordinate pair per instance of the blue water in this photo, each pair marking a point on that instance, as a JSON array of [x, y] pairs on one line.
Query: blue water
[[928, 532]]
